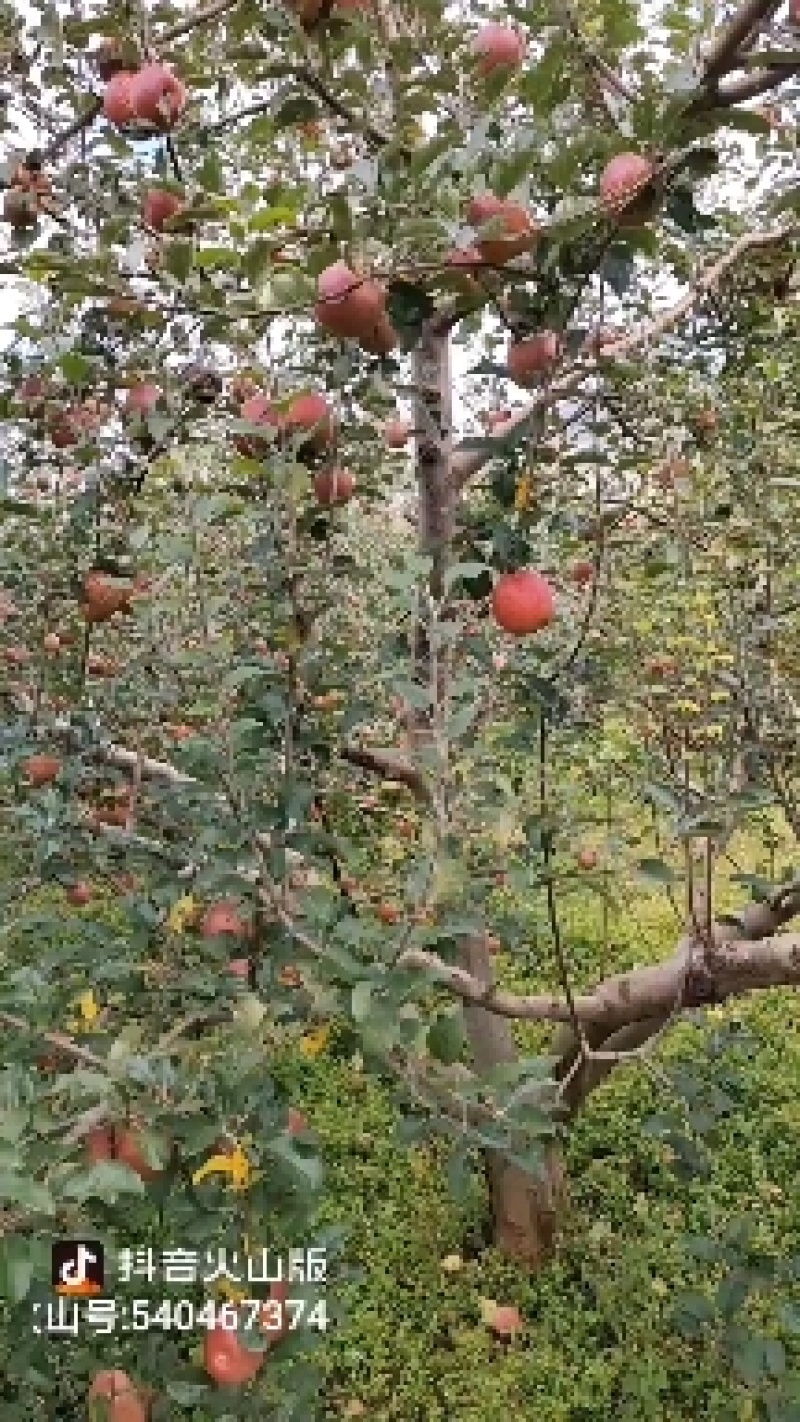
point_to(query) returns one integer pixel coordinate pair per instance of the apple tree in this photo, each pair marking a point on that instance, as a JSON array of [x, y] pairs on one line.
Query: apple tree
[[395, 402]]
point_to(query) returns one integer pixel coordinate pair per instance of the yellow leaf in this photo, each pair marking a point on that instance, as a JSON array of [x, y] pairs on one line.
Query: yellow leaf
[[234, 1164], [88, 1008], [313, 1044], [230, 1291], [182, 914], [522, 497]]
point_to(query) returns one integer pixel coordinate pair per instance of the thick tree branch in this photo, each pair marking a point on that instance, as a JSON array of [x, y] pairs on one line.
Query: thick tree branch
[[723, 52], [729, 969], [763, 81], [389, 765], [468, 462]]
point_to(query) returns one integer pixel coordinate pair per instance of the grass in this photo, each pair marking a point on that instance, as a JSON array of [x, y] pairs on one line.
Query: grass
[[600, 1340]]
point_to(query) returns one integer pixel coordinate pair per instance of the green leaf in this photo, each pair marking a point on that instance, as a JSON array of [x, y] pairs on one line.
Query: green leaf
[[22, 1190], [446, 1037], [461, 720], [460, 1175], [187, 1394], [307, 1167], [408, 306], [179, 258], [295, 110], [419, 697], [460, 571], [105, 1181], [17, 1267], [657, 870], [361, 1000], [75, 368]]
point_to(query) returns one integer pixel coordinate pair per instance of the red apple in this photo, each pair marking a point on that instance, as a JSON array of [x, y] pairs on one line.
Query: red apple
[[533, 357], [118, 1397], [42, 769], [117, 101], [516, 228], [221, 918], [348, 304], [498, 47], [396, 434], [582, 572], [334, 486], [523, 602], [157, 96], [257, 409], [626, 189], [141, 399], [159, 206]]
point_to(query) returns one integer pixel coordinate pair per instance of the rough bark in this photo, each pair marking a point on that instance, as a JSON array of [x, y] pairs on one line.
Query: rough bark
[[526, 1210]]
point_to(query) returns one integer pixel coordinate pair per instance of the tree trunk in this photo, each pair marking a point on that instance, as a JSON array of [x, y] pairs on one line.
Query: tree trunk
[[526, 1210]]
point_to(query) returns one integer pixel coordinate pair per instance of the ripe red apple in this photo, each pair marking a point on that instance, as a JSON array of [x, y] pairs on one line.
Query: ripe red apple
[[33, 392], [117, 100], [582, 572], [128, 1149], [626, 189], [157, 96], [706, 420], [223, 917], [523, 602], [662, 666], [348, 304], [104, 596], [159, 206], [98, 664], [69, 424], [498, 47], [51, 643], [118, 1397], [532, 357], [296, 1122], [388, 913], [99, 1144], [507, 1321], [227, 1360], [334, 487], [516, 228], [42, 769], [142, 398], [396, 433], [239, 968], [311, 415], [587, 859], [80, 894], [257, 409]]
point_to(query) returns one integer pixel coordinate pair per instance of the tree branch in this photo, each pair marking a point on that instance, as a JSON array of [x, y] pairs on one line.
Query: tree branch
[[467, 463], [723, 52], [728, 969], [389, 765]]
